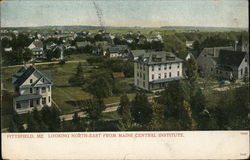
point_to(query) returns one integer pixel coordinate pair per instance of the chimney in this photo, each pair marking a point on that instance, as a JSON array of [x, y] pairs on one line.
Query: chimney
[[235, 45]]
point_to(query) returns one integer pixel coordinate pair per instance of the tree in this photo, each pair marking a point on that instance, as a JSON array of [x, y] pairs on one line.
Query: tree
[[141, 109], [13, 126], [27, 54], [192, 69], [175, 99], [32, 126], [94, 110], [124, 111], [78, 78], [100, 88]]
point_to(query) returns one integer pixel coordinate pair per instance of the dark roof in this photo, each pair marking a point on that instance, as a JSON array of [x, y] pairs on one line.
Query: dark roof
[[158, 57], [230, 58], [114, 50], [25, 75]]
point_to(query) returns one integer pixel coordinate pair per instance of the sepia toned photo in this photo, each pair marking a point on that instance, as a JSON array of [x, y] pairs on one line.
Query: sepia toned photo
[[124, 69]]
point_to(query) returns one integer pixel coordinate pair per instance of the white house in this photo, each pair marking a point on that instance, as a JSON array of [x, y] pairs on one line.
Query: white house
[[37, 48], [31, 89], [153, 70]]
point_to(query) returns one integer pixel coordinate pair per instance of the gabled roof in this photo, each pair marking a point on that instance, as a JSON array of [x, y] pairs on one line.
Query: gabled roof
[[137, 53], [214, 51], [231, 58], [38, 43], [26, 74]]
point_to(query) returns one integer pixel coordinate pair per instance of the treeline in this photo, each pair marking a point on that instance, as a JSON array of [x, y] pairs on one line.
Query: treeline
[[19, 52], [176, 41]]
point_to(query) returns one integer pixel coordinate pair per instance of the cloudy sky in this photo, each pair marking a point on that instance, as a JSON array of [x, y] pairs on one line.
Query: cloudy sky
[[146, 13]]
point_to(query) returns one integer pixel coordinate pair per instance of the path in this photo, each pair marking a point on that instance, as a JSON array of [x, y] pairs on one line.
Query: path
[[42, 63]]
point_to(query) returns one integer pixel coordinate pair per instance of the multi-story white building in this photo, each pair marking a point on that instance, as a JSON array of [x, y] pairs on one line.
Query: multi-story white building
[[31, 89], [153, 70]]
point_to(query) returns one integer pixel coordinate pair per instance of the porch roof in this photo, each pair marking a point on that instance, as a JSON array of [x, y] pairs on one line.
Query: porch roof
[[27, 97], [165, 80]]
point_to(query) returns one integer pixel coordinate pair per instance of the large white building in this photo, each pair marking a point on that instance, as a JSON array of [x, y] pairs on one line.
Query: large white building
[[153, 70], [31, 89]]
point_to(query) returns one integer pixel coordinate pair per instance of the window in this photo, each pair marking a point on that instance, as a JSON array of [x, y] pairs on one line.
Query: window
[[159, 67], [144, 67], [31, 103], [178, 73], [18, 105], [31, 80], [165, 67], [38, 101], [49, 88], [140, 66], [153, 76], [159, 76], [241, 71], [44, 100], [211, 69], [137, 65], [137, 74], [140, 75], [165, 75], [245, 60], [143, 84], [178, 65], [37, 89], [137, 82], [170, 66], [169, 74], [43, 89], [143, 76], [153, 68], [31, 90], [49, 99]]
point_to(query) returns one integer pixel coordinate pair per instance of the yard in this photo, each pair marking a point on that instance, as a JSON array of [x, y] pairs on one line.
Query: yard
[[67, 97]]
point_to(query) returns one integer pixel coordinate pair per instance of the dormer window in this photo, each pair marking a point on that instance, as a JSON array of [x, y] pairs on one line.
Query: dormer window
[[42, 79], [31, 80]]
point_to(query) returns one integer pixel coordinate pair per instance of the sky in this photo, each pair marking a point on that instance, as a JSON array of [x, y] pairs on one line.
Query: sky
[[131, 13]]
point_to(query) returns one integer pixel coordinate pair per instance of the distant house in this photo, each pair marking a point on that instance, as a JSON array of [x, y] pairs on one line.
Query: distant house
[[232, 65], [189, 55], [83, 44], [189, 44], [37, 48], [9, 49], [113, 52], [207, 60], [118, 75], [31, 89]]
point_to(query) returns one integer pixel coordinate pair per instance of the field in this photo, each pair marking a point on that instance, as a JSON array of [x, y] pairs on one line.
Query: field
[[67, 97]]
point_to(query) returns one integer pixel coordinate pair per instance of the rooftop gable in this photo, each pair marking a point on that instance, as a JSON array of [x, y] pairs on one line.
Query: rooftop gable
[[231, 58]]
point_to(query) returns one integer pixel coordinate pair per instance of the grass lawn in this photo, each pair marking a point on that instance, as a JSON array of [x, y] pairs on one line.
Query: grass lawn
[[77, 57], [64, 95]]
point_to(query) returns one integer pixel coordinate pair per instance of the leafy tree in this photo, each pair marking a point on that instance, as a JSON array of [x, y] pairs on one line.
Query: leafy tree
[[175, 99], [27, 54], [192, 70], [78, 78], [124, 111], [100, 88], [94, 110], [5, 42], [13, 126], [141, 109], [32, 125]]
